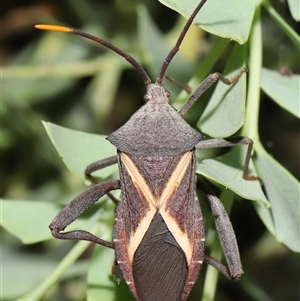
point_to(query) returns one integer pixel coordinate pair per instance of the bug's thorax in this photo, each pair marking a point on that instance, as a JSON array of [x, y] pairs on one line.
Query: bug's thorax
[[156, 128]]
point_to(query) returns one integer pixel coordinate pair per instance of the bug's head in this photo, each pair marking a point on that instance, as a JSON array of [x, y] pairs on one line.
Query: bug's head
[[156, 92]]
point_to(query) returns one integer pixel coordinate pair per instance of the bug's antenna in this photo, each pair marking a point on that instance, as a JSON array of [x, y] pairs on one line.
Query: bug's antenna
[[128, 58], [175, 49]]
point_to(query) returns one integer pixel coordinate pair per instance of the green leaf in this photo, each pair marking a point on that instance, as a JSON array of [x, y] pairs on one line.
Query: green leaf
[[228, 19], [17, 266], [104, 83], [227, 171], [295, 9], [283, 192], [79, 149], [100, 282], [51, 50], [92, 225], [155, 50], [282, 89], [28, 220], [225, 112], [265, 215]]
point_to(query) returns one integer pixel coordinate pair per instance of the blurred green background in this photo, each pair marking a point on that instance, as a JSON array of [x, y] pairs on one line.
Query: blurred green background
[[77, 84]]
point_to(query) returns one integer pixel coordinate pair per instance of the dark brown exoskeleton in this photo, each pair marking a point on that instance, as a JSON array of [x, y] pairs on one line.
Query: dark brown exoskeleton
[[159, 237]]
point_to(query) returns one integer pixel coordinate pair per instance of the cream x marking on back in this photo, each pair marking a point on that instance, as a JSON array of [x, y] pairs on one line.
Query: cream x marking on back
[[158, 204]]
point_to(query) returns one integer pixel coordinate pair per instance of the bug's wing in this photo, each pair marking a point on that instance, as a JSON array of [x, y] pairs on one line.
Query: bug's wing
[[158, 230]]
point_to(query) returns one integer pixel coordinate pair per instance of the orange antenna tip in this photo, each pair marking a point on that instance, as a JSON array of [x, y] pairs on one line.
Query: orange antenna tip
[[53, 27]]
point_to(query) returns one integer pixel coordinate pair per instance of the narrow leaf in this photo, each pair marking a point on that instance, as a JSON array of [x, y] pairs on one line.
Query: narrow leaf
[[28, 220], [225, 112], [17, 266], [100, 282], [228, 19], [155, 50], [283, 192], [227, 171], [295, 9], [282, 89], [79, 149]]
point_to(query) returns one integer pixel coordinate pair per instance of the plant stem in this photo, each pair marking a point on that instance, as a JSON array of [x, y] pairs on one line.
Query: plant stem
[[72, 70], [255, 62], [38, 292], [294, 37]]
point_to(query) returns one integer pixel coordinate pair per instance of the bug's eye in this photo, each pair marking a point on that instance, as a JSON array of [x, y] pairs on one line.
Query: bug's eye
[[167, 93], [147, 97]]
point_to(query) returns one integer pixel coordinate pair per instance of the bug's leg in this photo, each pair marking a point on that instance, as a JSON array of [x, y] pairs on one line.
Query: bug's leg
[[229, 142], [210, 80], [74, 209], [184, 86], [97, 166], [219, 266], [226, 236]]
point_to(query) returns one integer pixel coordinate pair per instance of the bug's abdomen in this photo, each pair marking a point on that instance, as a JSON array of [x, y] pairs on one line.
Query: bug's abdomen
[[159, 264], [158, 233]]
